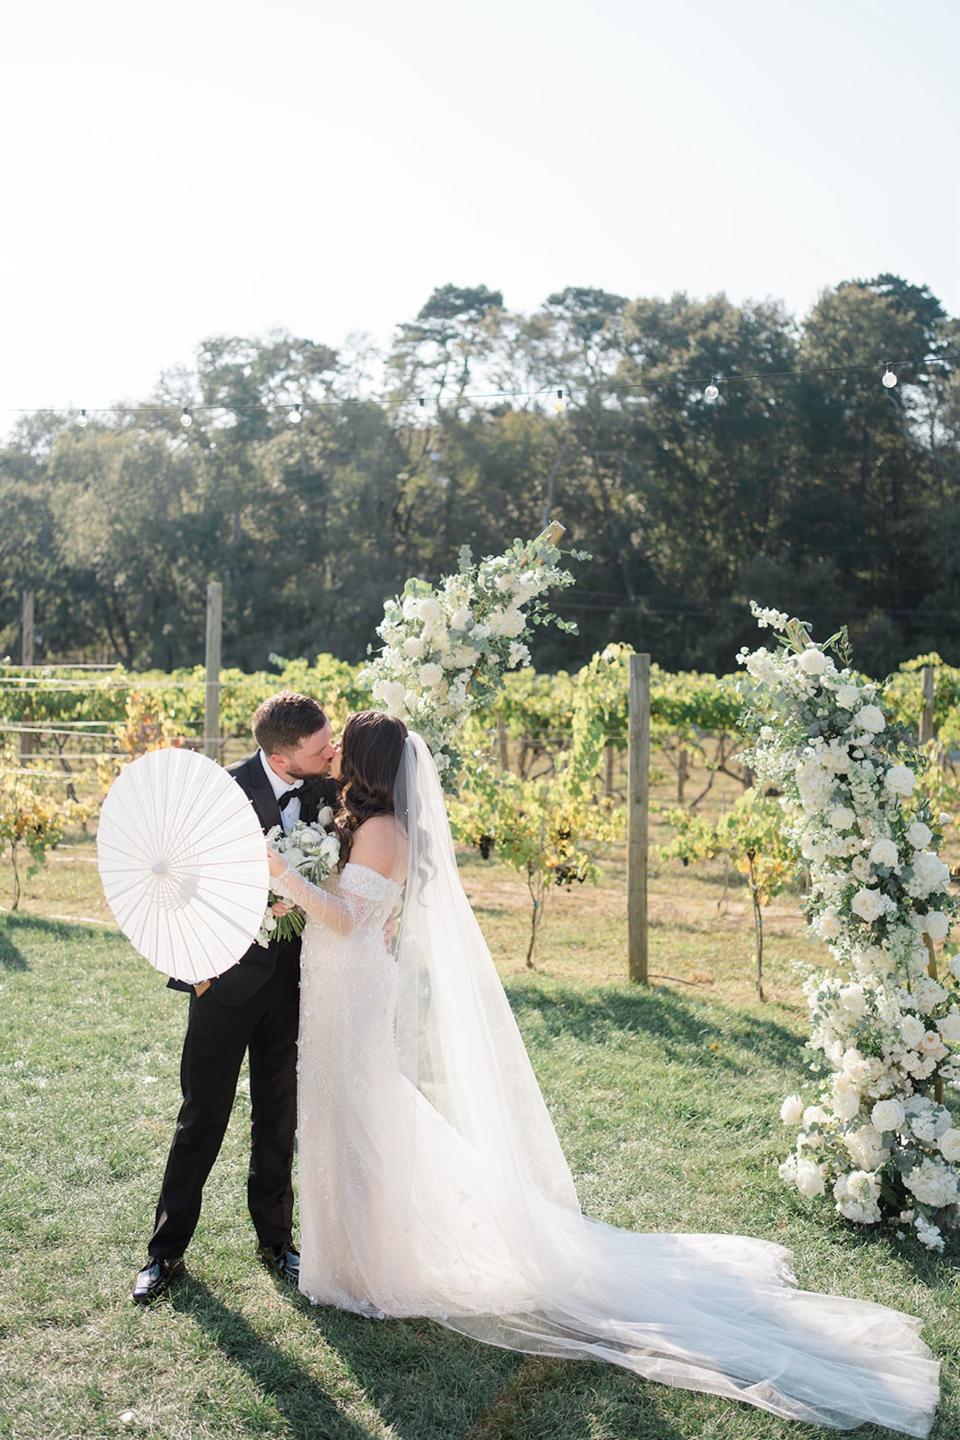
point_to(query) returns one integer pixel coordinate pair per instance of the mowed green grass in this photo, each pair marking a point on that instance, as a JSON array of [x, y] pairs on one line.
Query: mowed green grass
[[665, 1100]]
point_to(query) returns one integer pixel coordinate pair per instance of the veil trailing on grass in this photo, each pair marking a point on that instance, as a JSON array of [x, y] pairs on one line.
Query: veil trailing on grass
[[515, 1262]]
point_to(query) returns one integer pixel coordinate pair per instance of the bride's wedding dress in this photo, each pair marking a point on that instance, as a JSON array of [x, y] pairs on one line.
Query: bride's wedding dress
[[432, 1181]]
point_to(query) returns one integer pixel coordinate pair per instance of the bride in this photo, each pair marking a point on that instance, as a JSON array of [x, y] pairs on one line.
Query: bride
[[432, 1182]]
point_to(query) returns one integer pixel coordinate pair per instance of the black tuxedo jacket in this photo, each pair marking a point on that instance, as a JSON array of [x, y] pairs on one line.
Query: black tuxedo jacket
[[254, 968]]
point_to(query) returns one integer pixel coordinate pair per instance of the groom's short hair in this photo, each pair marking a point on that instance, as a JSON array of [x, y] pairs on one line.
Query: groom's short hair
[[282, 721]]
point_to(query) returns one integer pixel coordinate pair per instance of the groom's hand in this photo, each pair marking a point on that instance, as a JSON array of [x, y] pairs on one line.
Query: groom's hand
[[202, 988]]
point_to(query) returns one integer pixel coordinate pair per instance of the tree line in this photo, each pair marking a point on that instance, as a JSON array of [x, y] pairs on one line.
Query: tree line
[[823, 493]]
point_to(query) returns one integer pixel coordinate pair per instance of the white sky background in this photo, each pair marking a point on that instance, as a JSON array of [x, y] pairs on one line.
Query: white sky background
[[171, 172]]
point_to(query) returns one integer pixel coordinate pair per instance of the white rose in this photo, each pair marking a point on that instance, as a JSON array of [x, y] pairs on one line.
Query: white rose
[[513, 624], [809, 1178], [867, 904], [791, 1111], [847, 696], [852, 998], [812, 661], [846, 1103], [431, 676], [949, 1026], [393, 695], [460, 619], [828, 925], [899, 780], [325, 816], [911, 1030], [887, 1114], [841, 817], [955, 967], [950, 1144], [871, 718], [413, 647], [814, 1115], [884, 852], [936, 924], [919, 835]]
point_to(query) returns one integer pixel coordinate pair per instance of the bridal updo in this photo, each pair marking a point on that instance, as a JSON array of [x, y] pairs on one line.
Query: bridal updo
[[371, 752]]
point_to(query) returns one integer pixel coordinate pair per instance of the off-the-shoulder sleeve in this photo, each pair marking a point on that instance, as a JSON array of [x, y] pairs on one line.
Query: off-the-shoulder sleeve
[[349, 909]]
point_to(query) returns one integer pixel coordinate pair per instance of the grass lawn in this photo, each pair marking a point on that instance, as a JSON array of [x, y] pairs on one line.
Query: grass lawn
[[666, 1103]]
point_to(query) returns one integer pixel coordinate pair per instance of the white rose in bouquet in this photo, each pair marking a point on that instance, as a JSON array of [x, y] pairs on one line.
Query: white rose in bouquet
[[841, 817], [847, 696], [919, 835]]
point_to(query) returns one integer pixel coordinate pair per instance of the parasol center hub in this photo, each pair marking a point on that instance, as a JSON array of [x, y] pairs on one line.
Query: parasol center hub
[[161, 868]]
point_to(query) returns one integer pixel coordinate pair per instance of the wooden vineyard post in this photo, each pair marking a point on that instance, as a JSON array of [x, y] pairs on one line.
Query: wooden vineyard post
[[638, 813], [211, 719], [932, 970], [26, 658], [929, 693]]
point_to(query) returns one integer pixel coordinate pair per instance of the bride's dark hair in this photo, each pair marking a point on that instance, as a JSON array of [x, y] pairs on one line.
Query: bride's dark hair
[[372, 749]]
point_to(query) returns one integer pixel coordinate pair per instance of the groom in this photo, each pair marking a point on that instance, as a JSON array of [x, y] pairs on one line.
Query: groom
[[252, 1007]]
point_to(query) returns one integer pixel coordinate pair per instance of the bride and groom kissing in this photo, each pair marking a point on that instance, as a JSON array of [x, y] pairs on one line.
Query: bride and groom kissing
[[431, 1179]]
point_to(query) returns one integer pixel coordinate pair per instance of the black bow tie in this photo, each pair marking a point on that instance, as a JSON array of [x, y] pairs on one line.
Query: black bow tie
[[289, 795]]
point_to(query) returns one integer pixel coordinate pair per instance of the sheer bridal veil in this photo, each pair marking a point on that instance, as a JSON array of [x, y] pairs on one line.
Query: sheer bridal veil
[[518, 1265]]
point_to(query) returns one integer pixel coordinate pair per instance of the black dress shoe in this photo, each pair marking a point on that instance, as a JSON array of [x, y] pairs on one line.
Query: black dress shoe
[[153, 1279], [282, 1261]]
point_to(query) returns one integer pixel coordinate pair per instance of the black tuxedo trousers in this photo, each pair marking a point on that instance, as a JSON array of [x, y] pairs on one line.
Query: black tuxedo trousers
[[252, 1008]]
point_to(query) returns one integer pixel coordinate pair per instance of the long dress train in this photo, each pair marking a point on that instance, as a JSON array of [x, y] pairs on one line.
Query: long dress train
[[432, 1182]]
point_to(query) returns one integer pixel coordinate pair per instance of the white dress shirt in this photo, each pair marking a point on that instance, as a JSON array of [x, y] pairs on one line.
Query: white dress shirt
[[290, 813]]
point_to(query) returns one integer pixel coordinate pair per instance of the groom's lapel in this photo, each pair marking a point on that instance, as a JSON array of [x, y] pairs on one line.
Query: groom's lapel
[[261, 794]]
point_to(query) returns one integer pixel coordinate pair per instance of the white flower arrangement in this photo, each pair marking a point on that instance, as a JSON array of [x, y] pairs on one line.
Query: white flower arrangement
[[311, 848], [886, 1021], [446, 649]]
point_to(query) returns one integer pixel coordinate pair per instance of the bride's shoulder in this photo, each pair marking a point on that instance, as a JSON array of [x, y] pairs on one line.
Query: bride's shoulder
[[379, 844]]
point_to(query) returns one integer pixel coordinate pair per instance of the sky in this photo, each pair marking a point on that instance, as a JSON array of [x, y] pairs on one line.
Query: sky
[[178, 171]]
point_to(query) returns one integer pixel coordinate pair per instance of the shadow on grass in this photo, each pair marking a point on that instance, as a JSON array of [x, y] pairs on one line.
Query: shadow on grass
[[307, 1408], [11, 956], [685, 1026], [55, 929]]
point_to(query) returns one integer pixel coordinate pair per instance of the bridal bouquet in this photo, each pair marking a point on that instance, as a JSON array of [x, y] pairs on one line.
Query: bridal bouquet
[[446, 649], [311, 849], [885, 1021]]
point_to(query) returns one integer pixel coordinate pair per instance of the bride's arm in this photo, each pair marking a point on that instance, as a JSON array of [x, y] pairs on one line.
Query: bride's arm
[[374, 846]]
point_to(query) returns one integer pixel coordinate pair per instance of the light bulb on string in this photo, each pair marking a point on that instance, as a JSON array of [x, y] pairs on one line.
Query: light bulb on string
[[712, 391], [186, 419], [888, 379], [295, 414], [83, 420], [559, 404]]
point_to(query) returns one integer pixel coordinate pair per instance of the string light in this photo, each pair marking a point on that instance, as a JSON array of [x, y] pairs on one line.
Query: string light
[[711, 392]]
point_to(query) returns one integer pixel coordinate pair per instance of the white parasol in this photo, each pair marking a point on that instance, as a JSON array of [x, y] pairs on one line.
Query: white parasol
[[183, 863]]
